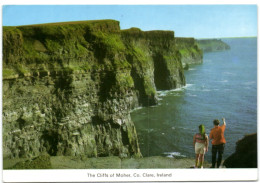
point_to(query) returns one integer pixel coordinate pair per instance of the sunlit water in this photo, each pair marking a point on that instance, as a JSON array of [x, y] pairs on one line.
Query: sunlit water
[[225, 85]]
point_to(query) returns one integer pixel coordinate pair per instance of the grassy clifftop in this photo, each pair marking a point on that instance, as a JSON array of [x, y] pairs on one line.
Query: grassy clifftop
[[48, 47]]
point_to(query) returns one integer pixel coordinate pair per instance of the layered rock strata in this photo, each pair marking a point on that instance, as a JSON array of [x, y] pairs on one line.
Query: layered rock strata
[[189, 50], [68, 88]]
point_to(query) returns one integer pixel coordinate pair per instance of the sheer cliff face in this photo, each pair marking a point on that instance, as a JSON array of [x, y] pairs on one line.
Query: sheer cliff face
[[189, 50], [155, 62], [68, 88]]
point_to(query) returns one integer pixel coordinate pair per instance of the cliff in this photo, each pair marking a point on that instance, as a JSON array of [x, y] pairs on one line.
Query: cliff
[[212, 45], [189, 50], [68, 88], [245, 155]]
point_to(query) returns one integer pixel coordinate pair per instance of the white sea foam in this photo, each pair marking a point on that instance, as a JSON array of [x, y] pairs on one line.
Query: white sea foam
[[191, 95], [135, 109], [188, 85], [173, 91], [173, 154], [162, 93]]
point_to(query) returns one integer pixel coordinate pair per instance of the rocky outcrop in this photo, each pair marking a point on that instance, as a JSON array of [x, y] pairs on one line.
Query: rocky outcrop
[[245, 155], [189, 50], [68, 88], [212, 45]]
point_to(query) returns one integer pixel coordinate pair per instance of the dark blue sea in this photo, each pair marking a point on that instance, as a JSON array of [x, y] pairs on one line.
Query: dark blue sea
[[225, 85]]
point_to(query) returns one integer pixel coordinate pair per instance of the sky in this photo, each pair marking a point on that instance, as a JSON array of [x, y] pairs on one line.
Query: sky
[[198, 21]]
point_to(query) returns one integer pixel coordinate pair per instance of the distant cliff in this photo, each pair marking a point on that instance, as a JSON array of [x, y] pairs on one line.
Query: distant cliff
[[68, 88], [189, 50], [212, 45]]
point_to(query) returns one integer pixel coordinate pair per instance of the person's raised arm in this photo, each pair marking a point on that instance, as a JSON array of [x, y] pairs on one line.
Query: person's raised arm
[[207, 143], [224, 121]]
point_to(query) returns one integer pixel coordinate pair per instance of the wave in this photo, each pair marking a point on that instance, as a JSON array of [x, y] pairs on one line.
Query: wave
[[162, 93], [173, 154], [191, 95], [135, 109]]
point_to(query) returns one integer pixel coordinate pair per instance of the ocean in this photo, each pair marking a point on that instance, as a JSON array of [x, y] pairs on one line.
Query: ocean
[[224, 85]]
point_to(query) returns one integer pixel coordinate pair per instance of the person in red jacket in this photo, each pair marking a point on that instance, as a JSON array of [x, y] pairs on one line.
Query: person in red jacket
[[218, 141]]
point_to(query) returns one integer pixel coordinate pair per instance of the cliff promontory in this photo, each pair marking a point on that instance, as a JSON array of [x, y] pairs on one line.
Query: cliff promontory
[[68, 88], [212, 45]]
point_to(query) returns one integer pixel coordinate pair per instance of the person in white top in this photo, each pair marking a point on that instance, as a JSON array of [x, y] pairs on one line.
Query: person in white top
[[201, 144]]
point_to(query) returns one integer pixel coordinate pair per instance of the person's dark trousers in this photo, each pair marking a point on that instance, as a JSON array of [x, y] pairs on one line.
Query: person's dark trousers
[[217, 149]]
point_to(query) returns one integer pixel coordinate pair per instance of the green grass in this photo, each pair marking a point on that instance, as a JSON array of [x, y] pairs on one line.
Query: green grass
[[125, 80], [184, 52], [7, 73]]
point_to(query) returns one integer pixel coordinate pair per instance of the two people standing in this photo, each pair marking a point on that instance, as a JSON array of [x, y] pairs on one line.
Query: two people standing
[[201, 142]]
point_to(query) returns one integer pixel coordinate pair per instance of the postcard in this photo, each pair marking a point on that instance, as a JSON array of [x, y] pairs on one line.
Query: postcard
[[129, 92]]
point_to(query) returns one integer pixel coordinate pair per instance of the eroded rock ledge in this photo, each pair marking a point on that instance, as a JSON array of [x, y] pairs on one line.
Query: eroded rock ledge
[[68, 88]]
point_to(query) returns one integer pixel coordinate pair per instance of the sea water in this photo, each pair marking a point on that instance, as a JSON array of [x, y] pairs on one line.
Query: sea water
[[225, 85]]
